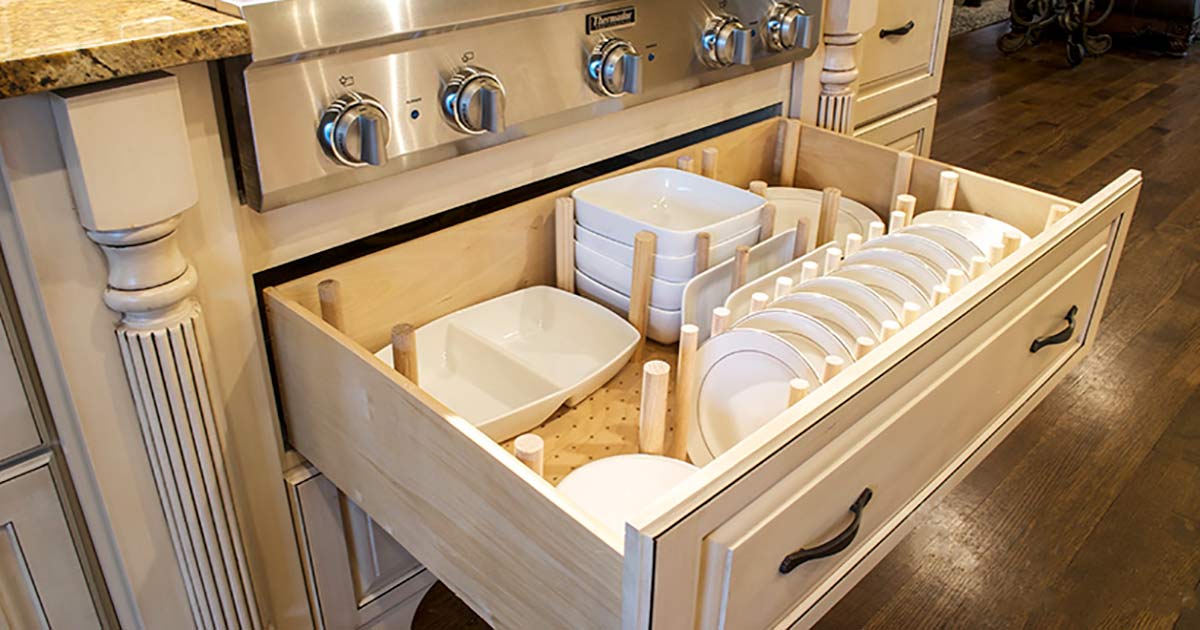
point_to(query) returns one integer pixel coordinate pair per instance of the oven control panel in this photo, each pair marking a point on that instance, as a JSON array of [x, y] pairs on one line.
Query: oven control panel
[[317, 112]]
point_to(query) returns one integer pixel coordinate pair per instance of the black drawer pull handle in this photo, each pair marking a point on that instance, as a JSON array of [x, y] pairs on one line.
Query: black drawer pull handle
[[1062, 336], [835, 545], [899, 32]]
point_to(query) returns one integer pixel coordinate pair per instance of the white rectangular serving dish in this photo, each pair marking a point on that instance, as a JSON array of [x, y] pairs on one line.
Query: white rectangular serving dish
[[674, 204], [669, 268], [664, 295], [663, 326]]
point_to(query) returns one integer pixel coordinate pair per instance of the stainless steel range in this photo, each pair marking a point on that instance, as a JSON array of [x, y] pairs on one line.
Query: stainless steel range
[[341, 92]]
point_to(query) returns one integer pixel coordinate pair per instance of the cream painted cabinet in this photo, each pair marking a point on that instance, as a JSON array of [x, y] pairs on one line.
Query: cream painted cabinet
[[909, 130], [17, 425]]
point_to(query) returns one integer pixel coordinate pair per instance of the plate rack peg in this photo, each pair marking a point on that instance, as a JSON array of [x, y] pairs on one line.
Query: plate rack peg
[[790, 152], [329, 293], [854, 242], [797, 390], [890, 328], [759, 187], [686, 164], [903, 177], [741, 267], [833, 259], [1012, 241], [908, 205], [911, 312], [995, 253], [404, 351], [947, 190], [708, 162], [896, 221], [979, 266], [685, 388], [809, 270], [530, 449], [783, 287], [800, 243], [720, 321], [564, 243], [833, 366], [941, 293], [956, 279], [831, 206], [644, 245], [759, 301], [703, 249], [862, 346], [1056, 214], [766, 222], [652, 418], [875, 230]]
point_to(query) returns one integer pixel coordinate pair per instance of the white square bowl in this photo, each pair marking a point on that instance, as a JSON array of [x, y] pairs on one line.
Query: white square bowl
[[669, 268], [674, 204], [664, 295]]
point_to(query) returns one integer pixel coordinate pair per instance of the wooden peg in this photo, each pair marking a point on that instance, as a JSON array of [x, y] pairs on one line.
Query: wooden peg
[[686, 164], [947, 190], [329, 292], [979, 266], [941, 293], [890, 328], [956, 279], [875, 230], [902, 178], [908, 205], [833, 366], [800, 243], [809, 270], [741, 267], [833, 259], [644, 245], [783, 287], [863, 345], [404, 351], [531, 450], [685, 388], [708, 162], [766, 222], [791, 150], [564, 243], [759, 301], [831, 205], [911, 312], [720, 321], [797, 390], [995, 253], [854, 242], [1057, 212], [759, 187], [896, 221], [703, 249], [1012, 241], [652, 418]]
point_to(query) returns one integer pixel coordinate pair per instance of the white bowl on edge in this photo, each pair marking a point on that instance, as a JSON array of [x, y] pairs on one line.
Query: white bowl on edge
[[669, 268]]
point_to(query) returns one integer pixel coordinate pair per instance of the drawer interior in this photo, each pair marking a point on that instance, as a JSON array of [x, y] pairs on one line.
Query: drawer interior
[[462, 503]]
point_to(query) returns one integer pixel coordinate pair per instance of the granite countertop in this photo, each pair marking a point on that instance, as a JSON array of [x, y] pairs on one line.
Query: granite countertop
[[51, 44]]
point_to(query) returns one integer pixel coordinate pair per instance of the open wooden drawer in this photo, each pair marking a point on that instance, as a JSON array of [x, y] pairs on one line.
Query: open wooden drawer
[[906, 421]]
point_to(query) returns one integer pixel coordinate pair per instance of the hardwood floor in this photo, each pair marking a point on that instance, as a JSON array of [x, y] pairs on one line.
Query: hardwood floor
[[1087, 515]]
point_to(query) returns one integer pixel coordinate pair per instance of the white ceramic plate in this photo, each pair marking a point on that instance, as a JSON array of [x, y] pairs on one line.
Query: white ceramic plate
[[738, 302], [674, 204], [808, 334], [669, 268], [742, 383], [894, 288], [983, 230], [937, 257], [663, 326], [793, 204], [907, 265], [840, 318], [856, 295], [615, 489], [710, 289], [667, 296], [962, 247]]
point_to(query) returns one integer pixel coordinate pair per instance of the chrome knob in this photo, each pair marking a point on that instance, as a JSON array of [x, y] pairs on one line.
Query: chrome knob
[[354, 130], [726, 42], [473, 101], [615, 68], [788, 27]]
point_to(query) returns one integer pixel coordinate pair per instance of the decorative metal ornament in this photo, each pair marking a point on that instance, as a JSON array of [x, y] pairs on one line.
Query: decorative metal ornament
[[1075, 17]]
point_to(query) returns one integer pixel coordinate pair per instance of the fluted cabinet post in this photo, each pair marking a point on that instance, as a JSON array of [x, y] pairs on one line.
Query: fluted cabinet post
[[844, 23]]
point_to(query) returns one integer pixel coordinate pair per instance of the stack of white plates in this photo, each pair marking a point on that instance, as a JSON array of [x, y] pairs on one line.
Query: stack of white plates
[[676, 206], [793, 204]]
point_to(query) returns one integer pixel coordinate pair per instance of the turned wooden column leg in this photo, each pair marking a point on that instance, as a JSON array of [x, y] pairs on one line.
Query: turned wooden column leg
[[844, 21]]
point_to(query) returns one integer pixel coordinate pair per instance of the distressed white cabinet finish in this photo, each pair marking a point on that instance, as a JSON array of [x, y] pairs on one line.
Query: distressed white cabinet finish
[[17, 424], [908, 130], [899, 70]]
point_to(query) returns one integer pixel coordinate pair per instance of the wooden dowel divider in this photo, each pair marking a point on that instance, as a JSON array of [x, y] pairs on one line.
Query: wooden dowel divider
[[797, 389], [833, 366], [1057, 212], [995, 253], [652, 417], [685, 388], [530, 449], [956, 279], [767, 221], [791, 150], [875, 230], [1012, 241], [941, 293], [644, 245], [896, 221], [890, 328], [708, 162], [759, 187], [911, 312], [979, 266], [404, 351], [947, 190], [809, 270], [564, 243], [833, 259], [902, 178], [800, 243], [686, 164], [329, 292], [741, 267], [831, 205], [854, 242], [720, 321], [703, 250], [908, 205], [863, 345], [783, 287], [759, 301]]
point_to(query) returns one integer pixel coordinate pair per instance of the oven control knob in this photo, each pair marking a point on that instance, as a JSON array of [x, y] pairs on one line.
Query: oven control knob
[[726, 42], [787, 27], [473, 101], [615, 68], [354, 130]]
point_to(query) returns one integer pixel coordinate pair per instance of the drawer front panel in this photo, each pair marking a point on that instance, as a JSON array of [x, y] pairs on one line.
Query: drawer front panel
[[16, 419], [896, 451], [899, 70], [910, 130]]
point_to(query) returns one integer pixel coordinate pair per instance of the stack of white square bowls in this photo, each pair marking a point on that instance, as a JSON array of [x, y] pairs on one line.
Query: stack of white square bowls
[[676, 206]]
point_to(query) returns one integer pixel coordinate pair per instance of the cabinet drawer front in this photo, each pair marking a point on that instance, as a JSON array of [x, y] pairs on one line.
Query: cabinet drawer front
[[910, 130], [899, 70], [16, 419], [896, 451]]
